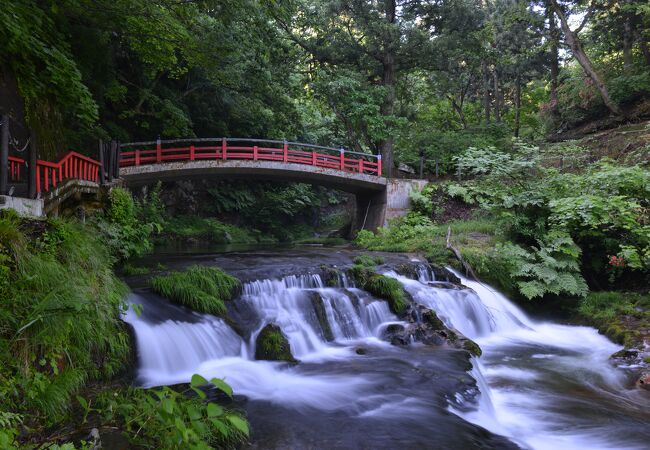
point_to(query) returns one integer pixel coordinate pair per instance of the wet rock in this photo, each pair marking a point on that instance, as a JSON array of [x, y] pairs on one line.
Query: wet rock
[[626, 353], [321, 315], [396, 334], [272, 345], [644, 380], [408, 270], [471, 346], [442, 274], [360, 351]]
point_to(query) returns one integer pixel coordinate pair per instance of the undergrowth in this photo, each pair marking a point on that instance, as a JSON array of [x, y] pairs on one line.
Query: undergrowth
[[202, 289]]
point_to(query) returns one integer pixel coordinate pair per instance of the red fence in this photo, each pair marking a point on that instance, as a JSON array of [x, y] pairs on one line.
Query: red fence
[[249, 149], [48, 174]]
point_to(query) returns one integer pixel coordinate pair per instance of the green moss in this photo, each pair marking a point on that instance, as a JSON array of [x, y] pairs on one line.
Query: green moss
[[203, 289], [272, 345], [381, 286], [472, 347]]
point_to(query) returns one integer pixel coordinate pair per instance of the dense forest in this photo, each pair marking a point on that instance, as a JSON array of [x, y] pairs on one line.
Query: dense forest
[[388, 77], [529, 121]]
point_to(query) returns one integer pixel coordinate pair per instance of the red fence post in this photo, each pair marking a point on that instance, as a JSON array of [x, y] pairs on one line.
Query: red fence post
[[158, 150], [285, 151], [342, 157], [224, 148], [191, 153], [254, 152], [46, 180], [360, 165], [379, 165], [137, 157], [313, 157], [38, 179]]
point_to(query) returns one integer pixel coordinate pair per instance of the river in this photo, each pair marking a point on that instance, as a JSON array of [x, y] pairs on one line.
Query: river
[[538, 384]]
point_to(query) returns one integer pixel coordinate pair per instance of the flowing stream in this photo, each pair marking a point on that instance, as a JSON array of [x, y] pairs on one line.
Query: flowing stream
[[537, 385]]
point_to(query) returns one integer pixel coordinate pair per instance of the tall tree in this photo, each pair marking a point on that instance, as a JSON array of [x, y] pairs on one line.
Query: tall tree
[[574, 43]]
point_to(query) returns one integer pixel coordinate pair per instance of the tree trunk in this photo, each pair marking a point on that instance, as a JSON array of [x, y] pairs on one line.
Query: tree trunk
[[627, 44], [388, 81], [582, 58], [486, 92], [497, 98], [517, 104], [554, 39], [645, 50]]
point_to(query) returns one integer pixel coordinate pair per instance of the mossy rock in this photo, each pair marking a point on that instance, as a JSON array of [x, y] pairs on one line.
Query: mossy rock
[[330, 275], [272, 345], [431, 318], [472, 347], [381, 286], [407, 270], [321, 315], [368, 260]]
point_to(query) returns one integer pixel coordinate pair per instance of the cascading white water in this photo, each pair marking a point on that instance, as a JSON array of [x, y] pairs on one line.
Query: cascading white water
[[170, 351], [530, 370]]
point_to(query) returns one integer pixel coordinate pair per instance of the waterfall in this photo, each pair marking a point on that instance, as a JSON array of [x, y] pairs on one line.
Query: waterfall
[[173, 343], [530, 369]]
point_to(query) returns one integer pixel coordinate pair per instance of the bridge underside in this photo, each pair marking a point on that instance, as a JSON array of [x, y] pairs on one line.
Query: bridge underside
[[377, 198]]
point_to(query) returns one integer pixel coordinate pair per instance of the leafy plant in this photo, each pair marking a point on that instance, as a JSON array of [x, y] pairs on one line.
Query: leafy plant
[[203, 289]]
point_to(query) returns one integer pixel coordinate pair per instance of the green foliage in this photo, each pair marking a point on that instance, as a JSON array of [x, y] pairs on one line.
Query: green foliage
[[368, 260], [166, 418], [59, 319], [208, 229], [551, 267], [604, 210], [203, 289]]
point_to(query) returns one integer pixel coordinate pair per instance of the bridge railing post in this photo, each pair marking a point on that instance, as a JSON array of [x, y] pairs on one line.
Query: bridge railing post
[[379, 165], [34, 177], [224, 148], [118, 157], [4, 155], [191, 152], [158, 150], [254, 152], [313, 157], [102, 175], [342, 158], [285, 151]]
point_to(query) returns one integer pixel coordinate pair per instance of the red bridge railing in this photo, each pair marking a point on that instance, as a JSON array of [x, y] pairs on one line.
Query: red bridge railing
[[49, 174], [153, 152]]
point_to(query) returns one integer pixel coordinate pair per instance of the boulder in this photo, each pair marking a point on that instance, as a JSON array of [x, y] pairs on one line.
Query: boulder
[[321, 315], [644, 380], [272, 345]]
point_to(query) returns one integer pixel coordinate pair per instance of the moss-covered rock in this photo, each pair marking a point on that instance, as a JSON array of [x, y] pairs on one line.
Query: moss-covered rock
[[202, 289], [382, 287], [272, 345], [472, 347]]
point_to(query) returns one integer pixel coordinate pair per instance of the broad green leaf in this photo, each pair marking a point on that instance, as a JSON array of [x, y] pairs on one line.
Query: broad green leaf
[[222, 385], [238, 423], [198, 380], [214, 410]]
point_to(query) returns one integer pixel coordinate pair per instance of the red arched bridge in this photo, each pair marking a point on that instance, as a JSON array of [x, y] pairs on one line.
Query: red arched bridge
[[139, 163]]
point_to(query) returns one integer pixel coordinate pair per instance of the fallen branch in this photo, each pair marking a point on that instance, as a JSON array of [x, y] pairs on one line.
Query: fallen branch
[[468, 269]]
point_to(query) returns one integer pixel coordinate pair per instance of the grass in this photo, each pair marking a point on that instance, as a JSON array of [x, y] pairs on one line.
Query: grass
[[202, 289], [60, 321]]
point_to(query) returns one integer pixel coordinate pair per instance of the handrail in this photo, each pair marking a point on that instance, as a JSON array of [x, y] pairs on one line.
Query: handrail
[[273, 150], [269, 141], [49, 174]]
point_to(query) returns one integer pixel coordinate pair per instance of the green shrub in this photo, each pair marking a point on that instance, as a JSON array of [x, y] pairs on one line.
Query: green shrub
[[208, 229], [59, 318], [203, 289], [166, 418]]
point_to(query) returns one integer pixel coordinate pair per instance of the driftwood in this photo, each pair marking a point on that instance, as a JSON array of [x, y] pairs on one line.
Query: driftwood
[[468, 269]]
